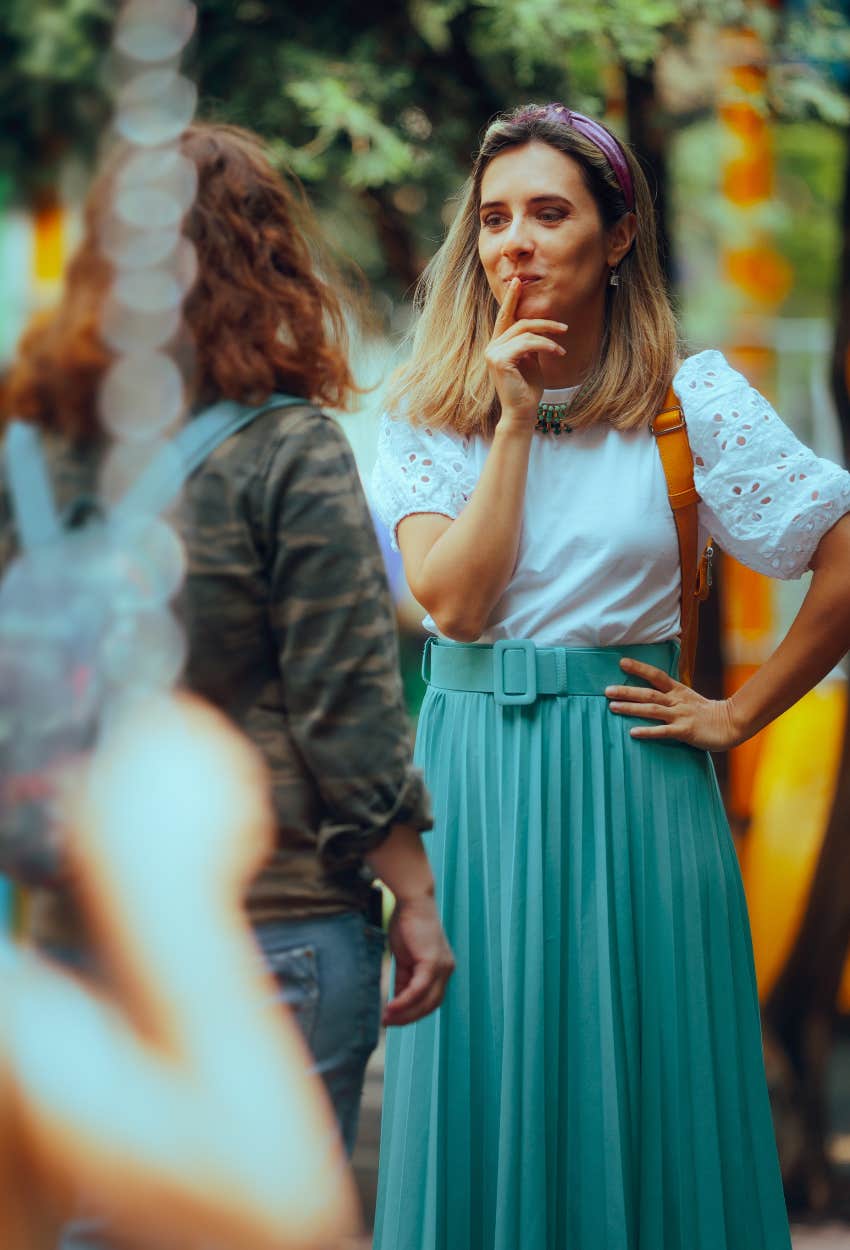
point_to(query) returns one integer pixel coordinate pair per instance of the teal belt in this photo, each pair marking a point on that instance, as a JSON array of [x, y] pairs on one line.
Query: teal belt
[[516, 671]]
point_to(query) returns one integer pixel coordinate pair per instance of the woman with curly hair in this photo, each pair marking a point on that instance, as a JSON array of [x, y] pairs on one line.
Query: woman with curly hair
[[289, 622]]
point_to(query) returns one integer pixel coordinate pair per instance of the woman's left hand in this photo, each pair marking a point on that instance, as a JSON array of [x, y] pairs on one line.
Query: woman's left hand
[[682, 714]]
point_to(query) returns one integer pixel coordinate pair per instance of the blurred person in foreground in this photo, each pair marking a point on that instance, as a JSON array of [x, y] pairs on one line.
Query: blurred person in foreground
[[290, 628], [117, 1093]]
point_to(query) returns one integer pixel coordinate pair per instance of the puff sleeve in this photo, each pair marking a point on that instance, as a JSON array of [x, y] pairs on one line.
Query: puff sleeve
[[419, 469], [765, 496]]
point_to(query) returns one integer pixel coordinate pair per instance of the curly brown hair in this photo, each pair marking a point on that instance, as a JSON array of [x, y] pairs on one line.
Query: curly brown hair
[[264, 313]]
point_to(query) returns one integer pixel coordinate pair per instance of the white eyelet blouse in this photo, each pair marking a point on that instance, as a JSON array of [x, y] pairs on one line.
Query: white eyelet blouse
[[598, 560]]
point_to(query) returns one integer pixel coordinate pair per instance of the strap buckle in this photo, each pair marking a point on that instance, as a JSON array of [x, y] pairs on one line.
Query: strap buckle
[[670, 429], [514, 685]]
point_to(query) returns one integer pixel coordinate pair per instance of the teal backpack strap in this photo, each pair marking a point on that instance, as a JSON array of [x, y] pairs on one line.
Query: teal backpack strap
[[33, 506], [177, 460]]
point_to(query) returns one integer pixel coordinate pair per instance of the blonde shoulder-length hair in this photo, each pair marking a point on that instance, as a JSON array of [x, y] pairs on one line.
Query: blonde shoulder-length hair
[[445, 381]]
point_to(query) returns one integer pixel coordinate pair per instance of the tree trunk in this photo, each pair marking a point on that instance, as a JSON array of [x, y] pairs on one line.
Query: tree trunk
[[800, 1012], [395, 237], [708, 669], [648, 132]]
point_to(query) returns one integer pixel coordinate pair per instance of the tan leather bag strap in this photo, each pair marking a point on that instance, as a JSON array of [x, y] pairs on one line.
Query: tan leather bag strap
[[671, 437]]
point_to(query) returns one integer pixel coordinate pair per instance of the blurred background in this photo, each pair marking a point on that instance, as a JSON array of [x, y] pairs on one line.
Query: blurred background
[[741, 113]]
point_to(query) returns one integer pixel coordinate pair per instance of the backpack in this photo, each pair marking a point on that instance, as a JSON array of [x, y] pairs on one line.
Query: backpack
[[671, 436], [83, 607]]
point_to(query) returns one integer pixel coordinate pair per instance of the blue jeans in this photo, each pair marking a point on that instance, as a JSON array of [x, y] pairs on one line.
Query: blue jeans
[[328, 972]]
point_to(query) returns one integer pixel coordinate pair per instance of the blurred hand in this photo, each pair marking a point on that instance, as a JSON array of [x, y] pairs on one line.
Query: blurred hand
[[424, 960], [682, 714]]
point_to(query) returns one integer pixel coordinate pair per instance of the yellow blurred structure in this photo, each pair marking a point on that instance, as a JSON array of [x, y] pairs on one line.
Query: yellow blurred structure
[[791, 800], [49, 244]]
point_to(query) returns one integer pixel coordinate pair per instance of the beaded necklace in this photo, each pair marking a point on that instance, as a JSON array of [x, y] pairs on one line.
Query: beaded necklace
[[551, 419]]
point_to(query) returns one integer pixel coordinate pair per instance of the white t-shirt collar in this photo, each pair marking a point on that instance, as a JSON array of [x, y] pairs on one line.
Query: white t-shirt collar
[[558, 395]]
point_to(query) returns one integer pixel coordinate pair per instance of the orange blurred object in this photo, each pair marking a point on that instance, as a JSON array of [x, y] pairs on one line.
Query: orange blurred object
[[748, 615], [744, 121], [748, 624], [743, 759], [761, 272], [755, 360], [750, 78], [748, 180]]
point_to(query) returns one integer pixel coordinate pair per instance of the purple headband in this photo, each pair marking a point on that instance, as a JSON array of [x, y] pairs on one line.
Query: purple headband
[[597, 134]]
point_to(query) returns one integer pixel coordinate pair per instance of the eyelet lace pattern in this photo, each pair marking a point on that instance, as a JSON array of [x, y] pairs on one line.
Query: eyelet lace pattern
[[419, 469], [766, 497]]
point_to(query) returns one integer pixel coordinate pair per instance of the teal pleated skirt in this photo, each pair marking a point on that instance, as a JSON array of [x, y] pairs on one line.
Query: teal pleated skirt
[[594, 1079]]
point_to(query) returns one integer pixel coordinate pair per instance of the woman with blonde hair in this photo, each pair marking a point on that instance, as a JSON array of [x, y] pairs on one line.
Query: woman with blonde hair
[[595, 1075]]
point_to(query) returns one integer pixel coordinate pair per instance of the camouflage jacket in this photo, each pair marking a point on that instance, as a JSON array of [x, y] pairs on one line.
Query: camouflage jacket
[[291, 633]]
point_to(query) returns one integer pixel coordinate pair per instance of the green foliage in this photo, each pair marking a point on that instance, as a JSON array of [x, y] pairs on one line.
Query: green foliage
[[56, 38], [52, 102], [810, 160], [806, 93], [337, 101], [630, 32], [431, 20], [536, 30], [377, 105]]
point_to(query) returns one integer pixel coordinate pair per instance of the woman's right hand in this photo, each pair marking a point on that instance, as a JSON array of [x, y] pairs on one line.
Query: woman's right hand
[[512, 358]]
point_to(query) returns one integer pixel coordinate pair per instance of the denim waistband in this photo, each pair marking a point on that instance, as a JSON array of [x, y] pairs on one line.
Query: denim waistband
[[516, 671]]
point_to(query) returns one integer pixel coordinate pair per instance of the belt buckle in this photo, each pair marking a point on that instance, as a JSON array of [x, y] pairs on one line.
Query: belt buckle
[[425, 668], [506, 698]]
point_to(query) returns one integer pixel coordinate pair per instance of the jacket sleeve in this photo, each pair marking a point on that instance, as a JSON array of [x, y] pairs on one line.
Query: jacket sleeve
[[333, 625]]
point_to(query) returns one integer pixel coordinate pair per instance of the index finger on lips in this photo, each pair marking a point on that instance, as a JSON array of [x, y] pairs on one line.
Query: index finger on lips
[[505, 315]]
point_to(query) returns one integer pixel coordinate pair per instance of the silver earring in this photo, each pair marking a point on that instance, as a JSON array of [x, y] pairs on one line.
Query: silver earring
[[614, 278]]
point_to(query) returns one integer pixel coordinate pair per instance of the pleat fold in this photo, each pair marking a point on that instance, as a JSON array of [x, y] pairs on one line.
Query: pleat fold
[[594, 1079]]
